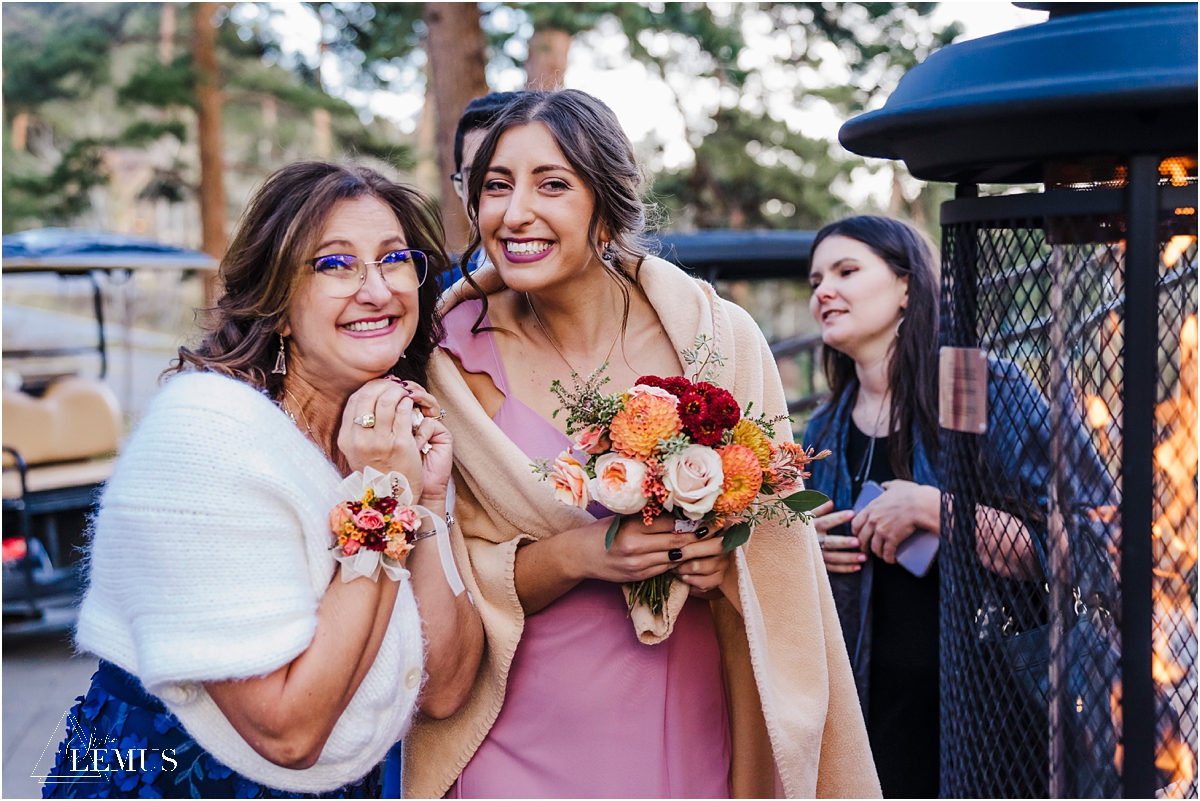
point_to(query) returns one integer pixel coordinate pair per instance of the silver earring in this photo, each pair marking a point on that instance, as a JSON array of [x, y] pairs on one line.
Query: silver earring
[[281, 359], [609, 251]]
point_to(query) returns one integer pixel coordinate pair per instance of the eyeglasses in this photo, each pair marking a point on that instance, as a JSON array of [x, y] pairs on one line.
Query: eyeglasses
[[341, 275], [459, 179]]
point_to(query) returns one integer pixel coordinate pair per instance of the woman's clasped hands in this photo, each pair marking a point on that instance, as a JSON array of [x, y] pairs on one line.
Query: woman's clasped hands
[[640, 551], [880, 528], [423, 453]]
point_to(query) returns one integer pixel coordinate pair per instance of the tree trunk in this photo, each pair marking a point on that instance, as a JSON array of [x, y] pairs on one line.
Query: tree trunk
[[20, 131], [457, 59], [427, 167], [547, 62], [212, 179]]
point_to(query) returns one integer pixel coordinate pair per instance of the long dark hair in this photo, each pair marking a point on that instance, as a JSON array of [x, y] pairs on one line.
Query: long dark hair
[[912, 369], [593, 142], [264, 266]]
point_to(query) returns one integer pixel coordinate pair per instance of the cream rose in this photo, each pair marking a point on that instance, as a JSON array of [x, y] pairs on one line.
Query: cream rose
[[693, 481], [658, 392], [618, 483], [570, 482]]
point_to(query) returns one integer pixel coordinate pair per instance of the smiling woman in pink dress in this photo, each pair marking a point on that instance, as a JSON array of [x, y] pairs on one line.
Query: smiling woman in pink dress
[[574, 700]]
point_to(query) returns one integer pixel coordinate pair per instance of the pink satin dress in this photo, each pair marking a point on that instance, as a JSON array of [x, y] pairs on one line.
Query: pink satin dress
[[591, 712]]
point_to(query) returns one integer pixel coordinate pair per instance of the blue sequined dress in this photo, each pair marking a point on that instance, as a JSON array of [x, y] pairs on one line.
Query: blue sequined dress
[[118, 716]]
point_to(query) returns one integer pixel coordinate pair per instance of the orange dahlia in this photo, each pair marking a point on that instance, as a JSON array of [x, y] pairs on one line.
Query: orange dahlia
[[743, 479], [749, 434], [636, 429]]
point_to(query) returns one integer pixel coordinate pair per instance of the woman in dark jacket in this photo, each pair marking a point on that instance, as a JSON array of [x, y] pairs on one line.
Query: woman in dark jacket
[[875, 296]]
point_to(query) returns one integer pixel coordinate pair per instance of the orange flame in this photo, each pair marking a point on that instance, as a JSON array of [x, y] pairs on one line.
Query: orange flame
[[1176, 551]]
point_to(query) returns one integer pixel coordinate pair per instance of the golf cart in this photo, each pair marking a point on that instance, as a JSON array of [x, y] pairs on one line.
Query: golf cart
[[62, 426]]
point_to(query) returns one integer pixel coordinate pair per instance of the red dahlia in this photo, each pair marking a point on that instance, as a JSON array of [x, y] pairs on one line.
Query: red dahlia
[[675, 384], [723, 408]]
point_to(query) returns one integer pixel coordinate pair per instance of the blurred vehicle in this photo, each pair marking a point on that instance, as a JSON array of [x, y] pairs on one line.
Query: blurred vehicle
[[734, 255], [62, 430]]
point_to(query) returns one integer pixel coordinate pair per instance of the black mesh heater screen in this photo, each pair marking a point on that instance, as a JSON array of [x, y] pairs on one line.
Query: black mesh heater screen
[[1032, 606]]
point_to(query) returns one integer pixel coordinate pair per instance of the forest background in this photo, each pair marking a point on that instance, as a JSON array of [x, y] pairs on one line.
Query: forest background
[[160, 119]]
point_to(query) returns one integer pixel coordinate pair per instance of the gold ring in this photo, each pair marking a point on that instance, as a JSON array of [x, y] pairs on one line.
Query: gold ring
[[366, 421]]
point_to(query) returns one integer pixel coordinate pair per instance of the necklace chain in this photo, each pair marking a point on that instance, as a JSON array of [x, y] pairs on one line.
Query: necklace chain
[[865, 467], [303, 416], [554, 345]]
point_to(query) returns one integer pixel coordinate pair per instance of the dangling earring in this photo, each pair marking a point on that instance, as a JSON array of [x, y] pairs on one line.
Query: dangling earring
[[609, 251], [899, 323], [280, 360]]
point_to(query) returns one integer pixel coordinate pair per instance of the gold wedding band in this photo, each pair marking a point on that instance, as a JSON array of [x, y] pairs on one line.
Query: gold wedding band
[[366, 420]]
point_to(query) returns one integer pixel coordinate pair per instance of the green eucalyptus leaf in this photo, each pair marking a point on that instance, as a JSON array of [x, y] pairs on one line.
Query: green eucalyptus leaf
[[735, 536], [805, 501], [612, 531]]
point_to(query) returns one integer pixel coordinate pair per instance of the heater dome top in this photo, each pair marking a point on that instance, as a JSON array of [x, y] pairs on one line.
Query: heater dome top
[[999, 108]]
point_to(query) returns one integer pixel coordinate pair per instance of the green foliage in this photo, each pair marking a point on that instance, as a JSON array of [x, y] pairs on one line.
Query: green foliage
[[161, 86], [611, 534], [56, 51], [283, 86], [359, 141], [734, 536], [63, 193], [749, 161], [143, 132], [373, 36]]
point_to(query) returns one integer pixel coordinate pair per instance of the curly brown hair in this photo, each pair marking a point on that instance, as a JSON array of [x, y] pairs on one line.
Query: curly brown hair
[[264, 267]]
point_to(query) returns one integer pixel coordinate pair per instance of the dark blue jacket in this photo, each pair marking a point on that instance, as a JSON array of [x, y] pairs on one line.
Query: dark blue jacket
[[1014, 459]]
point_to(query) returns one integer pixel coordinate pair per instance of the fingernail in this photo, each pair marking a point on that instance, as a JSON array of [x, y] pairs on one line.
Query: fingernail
[[862, 557], [702, 532], [856, 568], [854, 542], [675, 554]]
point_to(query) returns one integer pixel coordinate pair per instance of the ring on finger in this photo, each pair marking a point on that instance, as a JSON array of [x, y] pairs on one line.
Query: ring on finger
[[365, 420]]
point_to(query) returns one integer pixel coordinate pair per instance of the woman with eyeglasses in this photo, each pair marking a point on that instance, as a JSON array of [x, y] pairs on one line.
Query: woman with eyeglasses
[[238, 656]]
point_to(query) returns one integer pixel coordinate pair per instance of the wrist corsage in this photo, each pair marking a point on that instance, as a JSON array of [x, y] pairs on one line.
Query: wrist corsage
[[375, 526]]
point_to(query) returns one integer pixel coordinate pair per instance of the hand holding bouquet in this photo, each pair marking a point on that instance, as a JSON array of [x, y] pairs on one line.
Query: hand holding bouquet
[[679, 447]]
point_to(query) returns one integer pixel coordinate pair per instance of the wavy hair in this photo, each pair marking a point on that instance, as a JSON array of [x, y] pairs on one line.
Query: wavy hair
[[913, 365], [264, 267], [597, 149]]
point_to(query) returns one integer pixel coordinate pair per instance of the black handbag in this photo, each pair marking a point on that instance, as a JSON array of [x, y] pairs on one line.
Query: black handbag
[[1092, 670]]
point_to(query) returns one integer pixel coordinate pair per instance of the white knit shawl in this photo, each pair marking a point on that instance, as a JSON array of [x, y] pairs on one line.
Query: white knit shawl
[[209, 558]]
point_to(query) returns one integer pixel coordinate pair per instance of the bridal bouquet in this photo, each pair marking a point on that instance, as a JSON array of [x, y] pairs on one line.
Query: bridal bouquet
[[682, 447]]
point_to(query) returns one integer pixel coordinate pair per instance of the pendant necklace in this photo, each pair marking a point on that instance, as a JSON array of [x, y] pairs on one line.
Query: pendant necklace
[[557, 350], [865, 466], [307, 428]]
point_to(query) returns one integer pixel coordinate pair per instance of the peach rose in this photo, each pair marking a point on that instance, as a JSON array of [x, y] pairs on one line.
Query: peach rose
[[339, 516], [594, 440], [693, 480], [570, 482], [369, 519], [618, 483], [407, 518]]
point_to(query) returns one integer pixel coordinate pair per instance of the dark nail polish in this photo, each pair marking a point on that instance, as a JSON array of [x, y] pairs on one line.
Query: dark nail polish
[[675, 554], [702, 532]]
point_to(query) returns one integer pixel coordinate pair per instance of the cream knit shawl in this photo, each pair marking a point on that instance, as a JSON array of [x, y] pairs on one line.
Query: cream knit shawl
[[209, 558], [793, 707]]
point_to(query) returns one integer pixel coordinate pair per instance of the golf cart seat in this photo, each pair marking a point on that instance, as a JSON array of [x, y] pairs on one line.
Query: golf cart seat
[[64, 440]]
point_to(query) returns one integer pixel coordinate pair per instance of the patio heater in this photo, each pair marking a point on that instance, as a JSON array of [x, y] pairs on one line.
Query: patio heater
[[1068, 592]]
